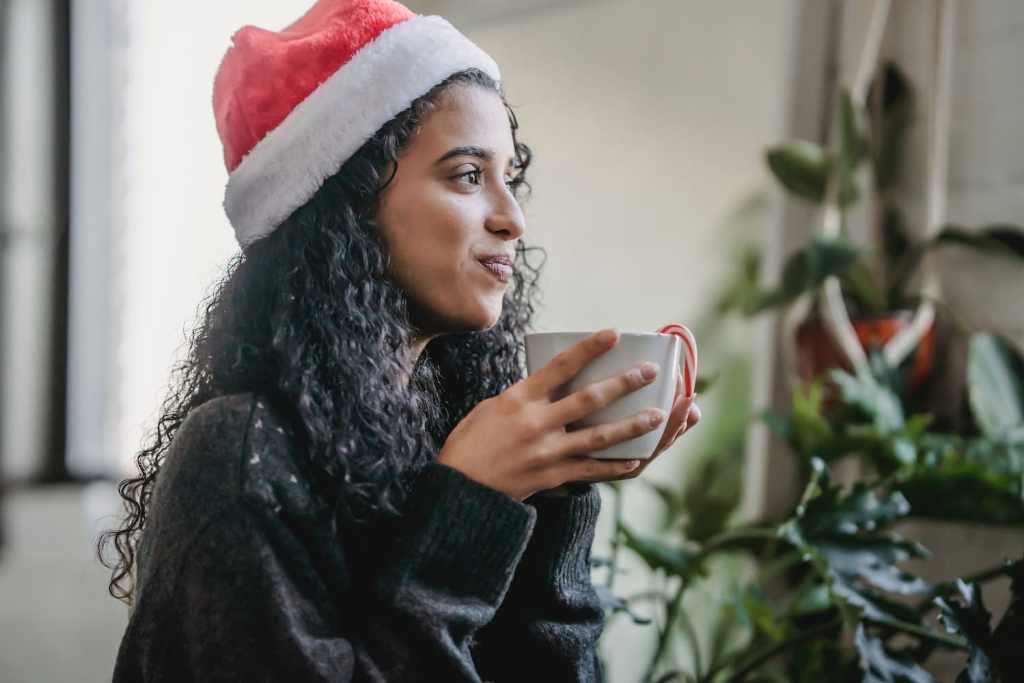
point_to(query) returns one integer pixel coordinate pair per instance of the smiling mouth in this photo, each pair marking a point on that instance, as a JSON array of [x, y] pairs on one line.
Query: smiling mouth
[[498, 270]]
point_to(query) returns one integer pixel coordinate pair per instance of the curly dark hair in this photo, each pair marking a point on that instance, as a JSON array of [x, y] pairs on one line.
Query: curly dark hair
[[308, 318]]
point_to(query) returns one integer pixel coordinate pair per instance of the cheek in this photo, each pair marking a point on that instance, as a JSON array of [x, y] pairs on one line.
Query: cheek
[[431, 240], [435, 262]]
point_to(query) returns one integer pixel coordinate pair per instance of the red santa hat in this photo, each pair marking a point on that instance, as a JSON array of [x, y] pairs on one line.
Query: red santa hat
[[292, 105]]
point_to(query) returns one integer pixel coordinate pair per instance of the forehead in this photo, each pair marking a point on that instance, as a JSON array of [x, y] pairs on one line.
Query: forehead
[[466, 115]]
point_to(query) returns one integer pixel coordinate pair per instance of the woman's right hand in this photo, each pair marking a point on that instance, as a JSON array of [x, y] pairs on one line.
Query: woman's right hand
[[516, 442]]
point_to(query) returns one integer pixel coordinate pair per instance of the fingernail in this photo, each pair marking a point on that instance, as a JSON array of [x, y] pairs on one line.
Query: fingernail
[[648, 370], [632, 464], [656, 417]]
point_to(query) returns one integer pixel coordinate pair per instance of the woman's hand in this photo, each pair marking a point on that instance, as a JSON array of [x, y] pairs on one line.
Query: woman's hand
[[684, 416], [517, 443]]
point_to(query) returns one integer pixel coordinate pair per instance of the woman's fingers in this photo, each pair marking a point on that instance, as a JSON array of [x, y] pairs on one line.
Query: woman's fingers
[[676, 417], [692, 417], [597, 395], [567, 364], [689, 415], [585, 468], [600, 437]]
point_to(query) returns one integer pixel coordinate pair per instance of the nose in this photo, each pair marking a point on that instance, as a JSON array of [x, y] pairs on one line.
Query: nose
[[506, 216]]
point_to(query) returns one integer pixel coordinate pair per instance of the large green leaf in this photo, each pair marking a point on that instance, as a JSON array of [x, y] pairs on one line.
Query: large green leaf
[[874, 400], [672, 503], [965, 492], [1003, 238], [809, 267], [671, 559], [861, 509], [713, 492], [995, 388], [801, 167], [844, 533], [860, 283]]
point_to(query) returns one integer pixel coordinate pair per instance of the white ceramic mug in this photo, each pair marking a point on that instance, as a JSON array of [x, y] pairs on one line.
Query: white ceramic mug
[[633, 348]]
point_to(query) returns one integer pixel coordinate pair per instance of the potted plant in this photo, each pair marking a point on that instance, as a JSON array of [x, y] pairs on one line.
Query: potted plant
[[825, 593], [875, 281]]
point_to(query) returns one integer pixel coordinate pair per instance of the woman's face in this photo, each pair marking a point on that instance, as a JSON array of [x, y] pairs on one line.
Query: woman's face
[[447, 208]]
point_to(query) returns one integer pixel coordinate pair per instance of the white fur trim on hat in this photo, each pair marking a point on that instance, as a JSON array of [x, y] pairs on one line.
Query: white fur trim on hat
[[286, 168]]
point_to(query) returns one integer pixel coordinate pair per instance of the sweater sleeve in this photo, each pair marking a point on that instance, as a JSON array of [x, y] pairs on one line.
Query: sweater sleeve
[[253, 610], [550, 622]]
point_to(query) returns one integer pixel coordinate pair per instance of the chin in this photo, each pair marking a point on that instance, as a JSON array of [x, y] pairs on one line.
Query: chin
[[487, 318]]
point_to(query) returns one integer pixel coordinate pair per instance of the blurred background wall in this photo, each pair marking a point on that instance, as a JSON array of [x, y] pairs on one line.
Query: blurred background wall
[[648, 120]]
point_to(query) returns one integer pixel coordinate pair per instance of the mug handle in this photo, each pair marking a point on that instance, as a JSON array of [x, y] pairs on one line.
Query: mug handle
[[689, 354]]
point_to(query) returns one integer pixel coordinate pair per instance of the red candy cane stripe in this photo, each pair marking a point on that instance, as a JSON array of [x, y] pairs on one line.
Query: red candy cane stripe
[[689, 354]]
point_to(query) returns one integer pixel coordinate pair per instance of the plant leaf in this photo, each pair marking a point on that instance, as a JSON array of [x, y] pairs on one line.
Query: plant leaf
[[963, 491], [1009, 237], [671, 501], [807, 268], [878, 403], [970, 620], [843, 535], [995, 389], [670, 559], [801, 167], [860, 283], [881, 666], [1006, 239]]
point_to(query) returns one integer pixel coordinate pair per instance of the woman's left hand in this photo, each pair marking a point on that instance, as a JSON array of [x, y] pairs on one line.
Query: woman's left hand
[[684, 415]]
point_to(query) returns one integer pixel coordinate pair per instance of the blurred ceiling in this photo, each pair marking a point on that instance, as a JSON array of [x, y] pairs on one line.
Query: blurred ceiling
[[465, 12]]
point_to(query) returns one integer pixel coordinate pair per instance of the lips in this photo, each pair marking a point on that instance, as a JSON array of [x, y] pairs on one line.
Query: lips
[[498, 266], [496, 258]]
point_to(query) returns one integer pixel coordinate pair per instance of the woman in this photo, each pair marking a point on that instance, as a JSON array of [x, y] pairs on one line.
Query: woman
[[352, 479]]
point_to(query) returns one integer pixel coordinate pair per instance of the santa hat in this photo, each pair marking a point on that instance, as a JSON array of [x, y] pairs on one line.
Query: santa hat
[[292, 105]]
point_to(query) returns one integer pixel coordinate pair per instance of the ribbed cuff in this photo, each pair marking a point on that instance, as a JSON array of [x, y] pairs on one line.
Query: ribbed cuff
[[559, 549], [460, 534]]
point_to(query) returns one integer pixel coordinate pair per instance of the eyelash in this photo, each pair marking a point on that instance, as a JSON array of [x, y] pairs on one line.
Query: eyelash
[[512, 184]]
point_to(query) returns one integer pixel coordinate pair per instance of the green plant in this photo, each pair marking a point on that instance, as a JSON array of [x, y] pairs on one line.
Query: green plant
[[823, 594], [874, 279], [846, 609]]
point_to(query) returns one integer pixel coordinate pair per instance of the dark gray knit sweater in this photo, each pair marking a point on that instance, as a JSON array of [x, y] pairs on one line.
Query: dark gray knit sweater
[[244, 576]]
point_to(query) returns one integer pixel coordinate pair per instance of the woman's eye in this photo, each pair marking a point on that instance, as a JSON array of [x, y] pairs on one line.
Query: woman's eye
[[474, 179], [475, 173]]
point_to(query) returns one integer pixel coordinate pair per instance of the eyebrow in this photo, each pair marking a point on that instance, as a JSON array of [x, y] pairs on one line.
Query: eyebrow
[[469, 151]]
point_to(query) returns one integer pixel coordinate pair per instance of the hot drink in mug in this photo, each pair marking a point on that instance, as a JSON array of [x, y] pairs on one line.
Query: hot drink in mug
[[672, 348]]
